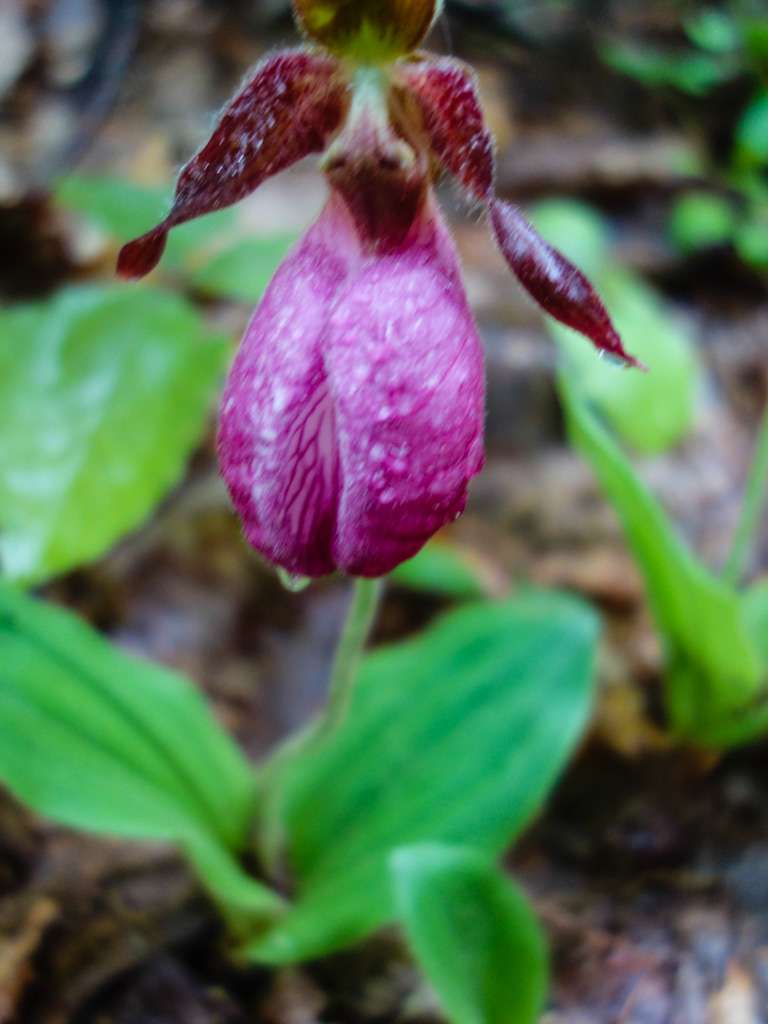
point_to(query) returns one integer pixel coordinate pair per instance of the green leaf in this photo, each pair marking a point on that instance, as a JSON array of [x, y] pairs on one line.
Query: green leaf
[[715, 674], [752, 242], [651, 410], [755, 605], [455, 736], [473, 933], [714, 30], [243, 270], [701, 219], [654, 410], [577, 230], [97, 740], [125, 210], [752, 129], [753, 506], [121, 208], [691, 72], [103, 741], [104, 393], [755, 32], [441, 568]]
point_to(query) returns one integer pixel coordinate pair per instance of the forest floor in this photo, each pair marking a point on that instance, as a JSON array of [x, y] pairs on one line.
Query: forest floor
[[649, 866]]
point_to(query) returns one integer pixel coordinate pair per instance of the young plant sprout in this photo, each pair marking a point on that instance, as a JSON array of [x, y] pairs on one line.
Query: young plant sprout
[[352, 420]]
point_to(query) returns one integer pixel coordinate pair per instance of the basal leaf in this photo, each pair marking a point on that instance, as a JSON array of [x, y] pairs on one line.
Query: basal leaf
[[118, 207], [441, 568], [73, 698], [752, 129], [755, 31], [715, 677], [713, 30], [700, 219], [576, 229], [104, 393], [654, 410], [690, 71], [97, 740], [755, 605], [473, 934], [456, 736], [124, 209], [649, 410], [752, 240], [244, 269]]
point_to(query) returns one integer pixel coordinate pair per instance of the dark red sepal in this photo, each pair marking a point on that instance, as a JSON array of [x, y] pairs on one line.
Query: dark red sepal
[[139, 257], [553, 281], [446, 92], [288, 108]]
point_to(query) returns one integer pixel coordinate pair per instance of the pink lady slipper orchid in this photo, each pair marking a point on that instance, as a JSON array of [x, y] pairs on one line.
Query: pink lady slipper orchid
[[352, 419]]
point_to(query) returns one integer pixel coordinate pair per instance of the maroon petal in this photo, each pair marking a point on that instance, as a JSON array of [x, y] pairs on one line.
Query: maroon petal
[[288, 108], [558, 287], [446, 92]]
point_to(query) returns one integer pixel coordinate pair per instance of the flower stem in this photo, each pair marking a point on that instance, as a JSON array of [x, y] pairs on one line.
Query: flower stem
[[360, 617], [752, 509]]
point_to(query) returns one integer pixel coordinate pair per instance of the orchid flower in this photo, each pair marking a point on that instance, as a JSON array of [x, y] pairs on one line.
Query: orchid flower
[[352, 419]]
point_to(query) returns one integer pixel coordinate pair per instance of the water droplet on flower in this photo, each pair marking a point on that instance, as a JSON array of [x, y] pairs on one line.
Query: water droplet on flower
[[291, 581], [279, 398], [612, 359]]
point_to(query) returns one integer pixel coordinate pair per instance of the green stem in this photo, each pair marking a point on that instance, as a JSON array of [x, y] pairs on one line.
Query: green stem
[[360, 617], [751, 511]]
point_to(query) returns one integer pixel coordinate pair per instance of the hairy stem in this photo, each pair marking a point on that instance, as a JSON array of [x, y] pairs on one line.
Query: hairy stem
[[752, 509]]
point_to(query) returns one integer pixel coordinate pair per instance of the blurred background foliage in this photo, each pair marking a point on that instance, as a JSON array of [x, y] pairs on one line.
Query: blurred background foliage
[[636, 136]]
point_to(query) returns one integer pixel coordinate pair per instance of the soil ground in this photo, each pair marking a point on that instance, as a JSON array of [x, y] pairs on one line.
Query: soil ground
[[649, 867]]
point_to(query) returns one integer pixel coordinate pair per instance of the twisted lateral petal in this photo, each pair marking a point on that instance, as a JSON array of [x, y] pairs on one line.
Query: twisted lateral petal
[[446, 92], [406, 368], [289, 107], [553, 281], [352, 420]]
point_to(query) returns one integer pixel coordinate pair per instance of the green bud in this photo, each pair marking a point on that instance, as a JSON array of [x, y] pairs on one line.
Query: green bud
[[367, 30]]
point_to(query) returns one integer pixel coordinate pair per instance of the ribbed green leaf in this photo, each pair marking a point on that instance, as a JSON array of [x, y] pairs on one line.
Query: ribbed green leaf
[[243, 269], [95, 739], [455, 736], [103, 741], [691, 71], [103, 394], [701, 218], [715, 676], [125, 210], [755, 606], [652, 410], [752, 129], [441, 568], [473, 933]]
